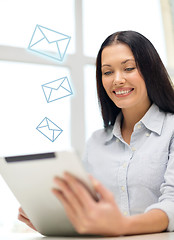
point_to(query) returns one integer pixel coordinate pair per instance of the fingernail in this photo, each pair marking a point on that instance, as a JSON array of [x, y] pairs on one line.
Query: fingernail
[[95, 182], [66, 174], [56, 180], [53, 190]]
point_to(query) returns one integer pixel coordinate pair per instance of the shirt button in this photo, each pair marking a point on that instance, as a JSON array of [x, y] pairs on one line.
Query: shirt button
[[125, 213], [147, 134], [139, 126], [133, 149], [124, 165], [117, 140], [122, 188]]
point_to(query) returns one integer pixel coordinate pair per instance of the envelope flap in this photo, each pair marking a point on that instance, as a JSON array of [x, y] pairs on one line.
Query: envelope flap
[[54, 84], [51, 35], [47, 132], [53, 126], [58, 94]]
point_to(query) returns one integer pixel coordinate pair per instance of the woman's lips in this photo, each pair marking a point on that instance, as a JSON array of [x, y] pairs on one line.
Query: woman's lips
[[123, 92]]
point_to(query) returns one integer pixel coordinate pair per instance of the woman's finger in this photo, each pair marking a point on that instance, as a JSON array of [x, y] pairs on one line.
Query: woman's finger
[[103, 192], [63, 200], [26, 221], [73, 217], [82, 193], [67, 196], [21, 211]]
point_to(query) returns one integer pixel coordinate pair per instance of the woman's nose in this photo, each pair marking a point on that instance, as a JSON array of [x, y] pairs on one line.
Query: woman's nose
[[118, 79]]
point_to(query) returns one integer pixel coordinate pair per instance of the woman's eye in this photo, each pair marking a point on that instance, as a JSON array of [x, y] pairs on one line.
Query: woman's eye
[[129, 69], [107, 73]]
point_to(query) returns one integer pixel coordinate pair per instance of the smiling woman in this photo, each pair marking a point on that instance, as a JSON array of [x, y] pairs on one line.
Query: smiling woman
[[144, 68], [135, 186], [121, 78], [23, 105]]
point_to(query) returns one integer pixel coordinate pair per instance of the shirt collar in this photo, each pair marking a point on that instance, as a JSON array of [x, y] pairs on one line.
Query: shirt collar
[[152, 120], [117, 126], [115, 131]]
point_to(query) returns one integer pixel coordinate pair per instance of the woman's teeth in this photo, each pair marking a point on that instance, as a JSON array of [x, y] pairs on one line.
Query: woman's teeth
[[122, 92]]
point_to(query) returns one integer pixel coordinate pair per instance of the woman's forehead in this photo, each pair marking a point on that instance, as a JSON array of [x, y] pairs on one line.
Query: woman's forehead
[[117, 52]]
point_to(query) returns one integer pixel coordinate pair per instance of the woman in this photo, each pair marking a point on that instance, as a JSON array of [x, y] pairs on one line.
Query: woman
[[133, 156]]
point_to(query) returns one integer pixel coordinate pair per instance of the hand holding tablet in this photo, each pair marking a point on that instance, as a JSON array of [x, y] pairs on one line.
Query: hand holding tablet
[[30, 178]]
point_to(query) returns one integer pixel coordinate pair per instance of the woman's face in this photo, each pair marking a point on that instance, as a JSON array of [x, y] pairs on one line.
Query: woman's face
[[121, 79]]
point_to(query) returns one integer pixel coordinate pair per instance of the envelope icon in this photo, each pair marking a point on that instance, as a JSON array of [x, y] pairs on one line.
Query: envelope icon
[[49, 43], [57, 89], [49, 129]]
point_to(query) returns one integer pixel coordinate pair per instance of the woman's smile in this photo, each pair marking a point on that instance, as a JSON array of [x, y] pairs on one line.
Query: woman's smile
[[123, 92]]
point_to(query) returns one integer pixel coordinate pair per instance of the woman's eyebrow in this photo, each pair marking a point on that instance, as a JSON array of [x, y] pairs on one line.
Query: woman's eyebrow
[[130, 59], [106, 65], [125, 61]]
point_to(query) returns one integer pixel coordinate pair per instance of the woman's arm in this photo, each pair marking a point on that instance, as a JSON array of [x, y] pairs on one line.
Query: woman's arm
[[103, 217], [153, 221]]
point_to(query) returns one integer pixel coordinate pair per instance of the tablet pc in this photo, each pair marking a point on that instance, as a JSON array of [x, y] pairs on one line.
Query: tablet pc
[[30, 178]]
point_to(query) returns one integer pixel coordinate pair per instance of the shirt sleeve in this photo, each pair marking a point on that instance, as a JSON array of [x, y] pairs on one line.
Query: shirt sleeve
[[166, 200]]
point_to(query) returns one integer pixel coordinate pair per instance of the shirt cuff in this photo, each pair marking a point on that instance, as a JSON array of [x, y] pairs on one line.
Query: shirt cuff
[[168, 208]]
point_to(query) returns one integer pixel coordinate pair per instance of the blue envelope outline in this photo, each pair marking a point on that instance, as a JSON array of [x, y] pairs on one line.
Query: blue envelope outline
[[57, 89], [56, 43], [49, 129]]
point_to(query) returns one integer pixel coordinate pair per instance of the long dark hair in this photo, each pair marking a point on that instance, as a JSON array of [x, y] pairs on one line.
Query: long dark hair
[[159, 86]]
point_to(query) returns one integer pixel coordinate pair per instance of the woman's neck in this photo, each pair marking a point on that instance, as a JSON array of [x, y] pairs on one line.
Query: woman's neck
[[133, 115]]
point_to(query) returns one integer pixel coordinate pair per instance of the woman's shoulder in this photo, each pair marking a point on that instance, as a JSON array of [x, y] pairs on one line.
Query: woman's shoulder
[[163, 117]]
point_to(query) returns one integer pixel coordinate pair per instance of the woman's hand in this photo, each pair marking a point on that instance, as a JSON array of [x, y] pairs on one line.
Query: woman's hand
[[87, 215], [23, 218]]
